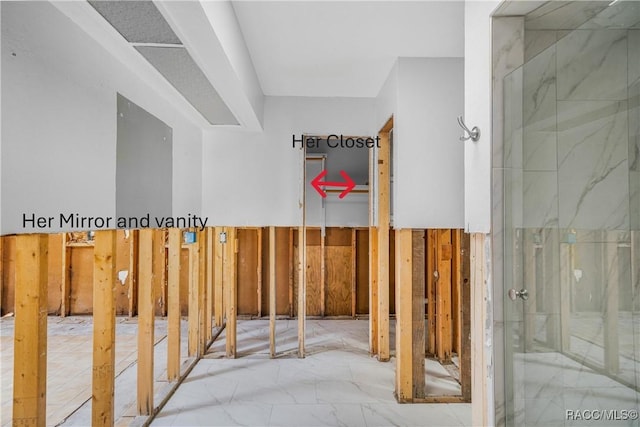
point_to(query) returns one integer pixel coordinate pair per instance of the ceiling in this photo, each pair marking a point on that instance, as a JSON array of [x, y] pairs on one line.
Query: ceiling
[[343, 48]]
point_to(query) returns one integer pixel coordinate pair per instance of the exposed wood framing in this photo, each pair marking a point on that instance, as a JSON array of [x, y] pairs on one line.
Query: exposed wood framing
[[354, 272], [479, 373], [132, 278], [104, 328], [323, 272], [159, 273], [208, 314], [291, 272], [2, 271], [30, 334], [272, 291], [384, 177], [65, 280], [302, 281], [194, 297], [231, 250], [173, 304], [431, 291], [456, 294], [145, 322], [259, 271], [202, 291], [404, 320], [465, 349], [417, 313], [218, 299], [443, 289], [373, 290]]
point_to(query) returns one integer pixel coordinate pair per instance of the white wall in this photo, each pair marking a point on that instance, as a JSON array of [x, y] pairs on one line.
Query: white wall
[[477, 112], [59, 110], [428, 158], [254, 178]]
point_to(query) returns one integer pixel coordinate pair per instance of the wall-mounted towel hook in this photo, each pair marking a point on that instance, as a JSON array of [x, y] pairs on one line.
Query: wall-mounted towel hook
[[474, 134]]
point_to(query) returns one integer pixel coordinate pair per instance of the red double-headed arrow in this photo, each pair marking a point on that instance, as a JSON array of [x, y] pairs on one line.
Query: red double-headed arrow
[[318, 184]]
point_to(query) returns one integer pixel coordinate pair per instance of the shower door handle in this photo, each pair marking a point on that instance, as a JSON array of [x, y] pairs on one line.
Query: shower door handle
[[513, 294]]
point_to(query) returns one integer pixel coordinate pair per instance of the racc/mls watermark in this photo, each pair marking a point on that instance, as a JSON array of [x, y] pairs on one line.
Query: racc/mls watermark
[[601, 414]]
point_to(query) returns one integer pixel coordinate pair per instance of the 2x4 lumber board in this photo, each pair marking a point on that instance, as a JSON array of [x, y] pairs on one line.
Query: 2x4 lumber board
[[146, 317], [383, 242], [173, 304], [373, 291], [65, 280], [231, 290], [456, 311], [443, 289], [479, 370], [218, 309], [272, 291], [417, 313], [465, 295], [302, 281], [291, 272], [404, 320], [202, 291], [159, 273], [193, 315], [354, 271], [104, 328], [323, 273], [259, 271], [30, 334], [431, 295], [208, 319], [132, 278]]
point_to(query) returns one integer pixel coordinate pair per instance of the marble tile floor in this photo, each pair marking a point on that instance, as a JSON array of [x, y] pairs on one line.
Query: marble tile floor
[[336, 384], [69, 346]]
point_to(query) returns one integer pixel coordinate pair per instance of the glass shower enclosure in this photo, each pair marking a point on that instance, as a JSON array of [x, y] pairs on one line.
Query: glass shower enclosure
[[571, 219]]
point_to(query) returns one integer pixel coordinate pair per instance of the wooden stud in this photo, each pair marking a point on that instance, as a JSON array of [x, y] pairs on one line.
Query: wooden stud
[[272, 291], [132, 278], [194, 299], [443, 289], [30, 333], [479, 373], [373, 291], [145, 322], [323, 272], [218, 299], [202, 291], [417, 313], [431, 294], [354, 271], [173, 304], [2, 271], [65, 279], [259, 271], [231, 250], [404, 320], [208, 318], [159, 273], [456, 307], [302, 282], [104, 328], [384, 175], [291, 272], [465, 295]]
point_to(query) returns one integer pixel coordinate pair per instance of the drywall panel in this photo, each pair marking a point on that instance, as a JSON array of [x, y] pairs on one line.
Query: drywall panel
[[477, 112], [255, 178], [428, 165], [59, 113], [143, 165]]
